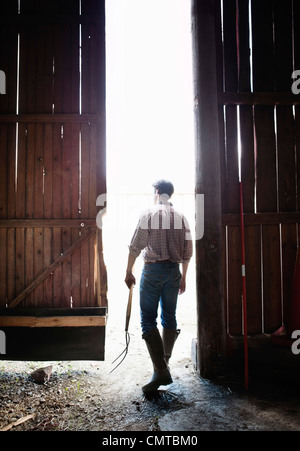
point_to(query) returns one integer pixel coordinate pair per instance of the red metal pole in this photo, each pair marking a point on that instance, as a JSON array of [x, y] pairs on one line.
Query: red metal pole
[[244, 300], [244, 288]]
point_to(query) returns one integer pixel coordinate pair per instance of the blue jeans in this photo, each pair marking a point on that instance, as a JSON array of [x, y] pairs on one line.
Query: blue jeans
[[159, 284]]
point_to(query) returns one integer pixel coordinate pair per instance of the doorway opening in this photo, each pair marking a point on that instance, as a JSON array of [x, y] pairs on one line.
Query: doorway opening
[[150, 135]]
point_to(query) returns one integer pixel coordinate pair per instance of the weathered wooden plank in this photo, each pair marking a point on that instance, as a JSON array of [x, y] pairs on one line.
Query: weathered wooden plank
[[11, 263], [225, 273], [29, 268], [9, 34], [243, 46], [3, 268], [287, 176], [54, 343], [33, 18], [18, 422], [11, 171], [253, 279], [57, 171], [75, 80], [262, 47], [54, 311], [93, 58], [76, 275], [296, 30], [297, 152], [266, 174], [42, 182], [3, 170], [101, 278], [74, 168], [93, 171], [66, 270], [234, 289], [28, 70], [85, 71], [85, 170], [38, 172], [39, 279], [258, 98], [91, 76], [230, 175], [289, 252], [230, 46], [85, 276], [261, 218], [20, 259], [98, 268], [59, 321], [11, 8], [31, 6], [247, 158], [66, 172], [38, 262], [21, 173], [48, 76], [58, 68], [93, 270], [70, 68], [30, 171], [47, 171], [51, 118], [71, 223], [283, 44], [57, 275], [44, 72], [48, 282], [96, 67], [272, 299], [209, 282]]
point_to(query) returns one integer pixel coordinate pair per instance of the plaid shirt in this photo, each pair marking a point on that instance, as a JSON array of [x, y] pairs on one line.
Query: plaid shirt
[[162, 234]]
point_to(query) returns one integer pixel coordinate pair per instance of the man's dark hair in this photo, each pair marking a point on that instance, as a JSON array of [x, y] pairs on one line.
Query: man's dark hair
[[164, 187]]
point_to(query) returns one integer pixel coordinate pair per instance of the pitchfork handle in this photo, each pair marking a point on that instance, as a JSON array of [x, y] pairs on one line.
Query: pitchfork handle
[[128, 311]]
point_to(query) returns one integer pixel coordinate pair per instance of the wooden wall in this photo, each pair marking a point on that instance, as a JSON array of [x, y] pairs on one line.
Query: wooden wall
[[255, 80], [52, 153], [247, 129]]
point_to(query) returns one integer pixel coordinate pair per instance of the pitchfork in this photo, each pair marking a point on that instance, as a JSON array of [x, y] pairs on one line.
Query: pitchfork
[[127, 336]]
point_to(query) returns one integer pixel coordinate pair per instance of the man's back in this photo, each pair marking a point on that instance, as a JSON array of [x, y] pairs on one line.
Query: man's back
[[163, 234]]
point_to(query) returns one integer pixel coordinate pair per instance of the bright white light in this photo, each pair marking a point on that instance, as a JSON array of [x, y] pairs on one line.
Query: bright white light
[[150, 131], [149, 95]]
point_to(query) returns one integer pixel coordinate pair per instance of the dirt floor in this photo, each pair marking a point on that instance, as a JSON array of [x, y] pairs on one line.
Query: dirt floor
[[87, 396]]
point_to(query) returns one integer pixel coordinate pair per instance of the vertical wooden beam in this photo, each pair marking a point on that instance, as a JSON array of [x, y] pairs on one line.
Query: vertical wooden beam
[[209, 278]]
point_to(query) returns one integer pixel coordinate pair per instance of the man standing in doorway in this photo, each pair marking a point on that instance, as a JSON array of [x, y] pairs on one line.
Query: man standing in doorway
[[163, 235]]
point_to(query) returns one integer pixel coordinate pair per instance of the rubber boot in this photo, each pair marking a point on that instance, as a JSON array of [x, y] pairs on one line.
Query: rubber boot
[[161, 374], [169, 336]]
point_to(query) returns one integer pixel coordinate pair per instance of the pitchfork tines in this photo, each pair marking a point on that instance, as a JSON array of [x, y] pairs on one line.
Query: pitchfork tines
[[127, 336]]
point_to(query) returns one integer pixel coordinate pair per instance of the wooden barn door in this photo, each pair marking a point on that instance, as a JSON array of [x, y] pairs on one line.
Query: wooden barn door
[[260, 49], [247, 128], [52, 168]]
